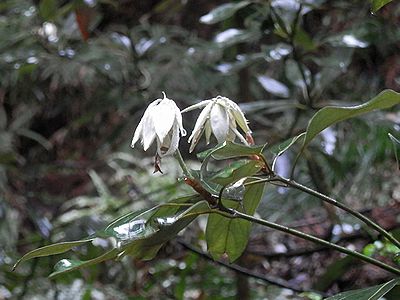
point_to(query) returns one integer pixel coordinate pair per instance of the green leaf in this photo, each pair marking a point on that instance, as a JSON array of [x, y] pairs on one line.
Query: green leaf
[[51, 250], [47, 9], [303, 39], [68, 265], [223, 12], [396, 149], [237, 171], [230, 236], [228, 150], [169, 227], [378, 4], [222, 151], [371, 293], [369, 250], [279, 149], [330, 115]]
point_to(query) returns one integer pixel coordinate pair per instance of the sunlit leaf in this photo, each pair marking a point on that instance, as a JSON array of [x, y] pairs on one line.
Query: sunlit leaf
[[230, 236], [233, 36], [350, 39], [378, 4], [273, 86], [223, 12], [51, 250], [371, 293]]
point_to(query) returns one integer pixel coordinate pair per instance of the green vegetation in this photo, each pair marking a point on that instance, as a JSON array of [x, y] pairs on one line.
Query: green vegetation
[[301, 203]]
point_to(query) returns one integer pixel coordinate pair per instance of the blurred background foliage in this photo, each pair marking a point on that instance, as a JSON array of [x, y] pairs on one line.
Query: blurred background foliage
[[75, 77]]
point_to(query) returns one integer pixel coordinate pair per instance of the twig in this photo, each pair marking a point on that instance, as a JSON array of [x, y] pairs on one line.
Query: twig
[[237, 214], [332, 201], [244, 271]]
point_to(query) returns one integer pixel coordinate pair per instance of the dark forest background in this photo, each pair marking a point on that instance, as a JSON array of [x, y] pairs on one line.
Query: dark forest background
[[75, 78]]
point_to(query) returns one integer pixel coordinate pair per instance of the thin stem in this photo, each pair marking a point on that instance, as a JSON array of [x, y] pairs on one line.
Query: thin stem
[[269, 279], [182, 164], [369, 222], [231, 213]]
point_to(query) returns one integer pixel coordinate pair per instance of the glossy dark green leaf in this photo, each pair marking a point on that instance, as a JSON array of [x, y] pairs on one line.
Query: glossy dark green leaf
[[223, 12], [396, 149], [371, 293], [51, 250], [222, 151], [130, 227], [230, 236], [237, 171], [231, 150], [330, 115], [378, 4], [139, 225], [68, 265], [169, 227]]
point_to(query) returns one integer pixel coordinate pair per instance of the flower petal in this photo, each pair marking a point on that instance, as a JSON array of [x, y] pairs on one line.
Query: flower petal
[[196, 138], [173, 141], [204, 115], [219, 122], [163, 117], [143, 122], [178, 119], [148, 131], [239, 116], [197, 105], [138, 133], [207, 132]]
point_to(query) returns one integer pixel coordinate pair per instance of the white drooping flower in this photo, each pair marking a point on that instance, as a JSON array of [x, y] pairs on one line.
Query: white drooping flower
[[219, 117], [162, 121]]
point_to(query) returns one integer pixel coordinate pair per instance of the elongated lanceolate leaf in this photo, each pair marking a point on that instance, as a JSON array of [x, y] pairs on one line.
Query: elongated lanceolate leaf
[[371, 293], [69, 265], [223, 12], [169, 227], [51, 250], [330, 115], [378, 4]]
